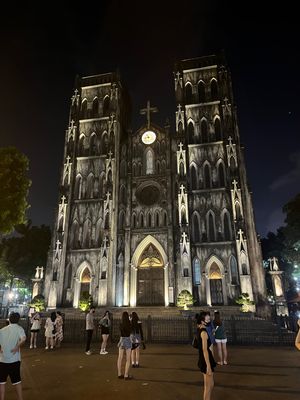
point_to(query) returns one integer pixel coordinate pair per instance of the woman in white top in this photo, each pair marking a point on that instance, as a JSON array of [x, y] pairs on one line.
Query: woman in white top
[[50, 330], [35, 328]]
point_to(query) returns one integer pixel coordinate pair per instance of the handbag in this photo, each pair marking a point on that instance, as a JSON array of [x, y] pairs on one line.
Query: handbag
[[195, 342], [143, 346]]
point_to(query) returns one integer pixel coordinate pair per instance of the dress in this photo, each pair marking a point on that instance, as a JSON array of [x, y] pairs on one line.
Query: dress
[[36, 323], [49, 326], [104, 325], [59, 328], [202, 363]]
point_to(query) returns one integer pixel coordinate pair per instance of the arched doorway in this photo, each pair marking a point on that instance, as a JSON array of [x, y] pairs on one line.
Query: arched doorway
[[149, 274], [215, 280], [150, 278], [85, 281], [82, 281]]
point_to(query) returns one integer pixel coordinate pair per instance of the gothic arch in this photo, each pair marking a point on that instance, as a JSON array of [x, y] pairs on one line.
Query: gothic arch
[[149, 161], [95, 108], [93, 144], [165, 222], [211, 226], [234, 275], [145, 243], [81, 143], [188, 93], [90, 186], [214, 260], [74, 234], [141, 220], [106, 106], [196, 227], [101, 184], [194, 178], [244, 263], [191, 131], [214, 91], [84, 266], [98, 238], [87, 226], [149, 219], [226, 225], [78, 187], [217, 127], [83, 109], [207, 175], [221, 173], [157, 218], [180, 128], [196, 271], [104, 143], [133, 220], [121, 220], [123, 169], [201, 92], [204, 130], [122, 194]]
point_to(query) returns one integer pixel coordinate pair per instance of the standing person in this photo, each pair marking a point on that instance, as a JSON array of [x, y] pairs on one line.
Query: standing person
[[105, 324], [89, 327], [49, 330], [12, 337], [137, 338], [35, 328], [59, 335], [124, 346], [211, 333], [221, 339], [206, 361], [297, 340]]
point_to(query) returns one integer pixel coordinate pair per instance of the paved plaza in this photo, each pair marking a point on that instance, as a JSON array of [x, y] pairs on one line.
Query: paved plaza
[[167, 372]]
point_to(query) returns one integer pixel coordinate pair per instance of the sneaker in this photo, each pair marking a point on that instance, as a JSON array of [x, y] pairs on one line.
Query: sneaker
[[34, 346], [46, 348], [103, 352], [225, 363], [31, 347], [88, 353], [51, 347]]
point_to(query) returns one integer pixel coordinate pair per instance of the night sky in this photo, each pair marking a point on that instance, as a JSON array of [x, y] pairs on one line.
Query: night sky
[[42, 50]]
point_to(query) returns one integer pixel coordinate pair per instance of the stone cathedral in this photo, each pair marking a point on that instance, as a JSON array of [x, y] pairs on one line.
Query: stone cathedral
[[143, 215]]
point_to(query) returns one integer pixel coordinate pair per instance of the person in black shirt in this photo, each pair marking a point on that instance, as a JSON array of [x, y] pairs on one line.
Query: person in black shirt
[[137, 338], [206, 361], [124, 346]]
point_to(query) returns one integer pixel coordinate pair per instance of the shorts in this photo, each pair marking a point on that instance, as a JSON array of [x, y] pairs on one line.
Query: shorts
[[104, 330], [34, 330], [125, 343], [12, 370], [221, 340]]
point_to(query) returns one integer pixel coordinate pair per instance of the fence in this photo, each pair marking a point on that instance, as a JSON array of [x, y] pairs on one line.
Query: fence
[[239, 330]]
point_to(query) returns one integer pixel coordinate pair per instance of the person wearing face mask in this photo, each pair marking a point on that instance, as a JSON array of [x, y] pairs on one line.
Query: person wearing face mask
[[206, 362], [89, 327]]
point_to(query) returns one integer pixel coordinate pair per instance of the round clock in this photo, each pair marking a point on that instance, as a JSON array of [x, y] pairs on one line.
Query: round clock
[[148, 137]]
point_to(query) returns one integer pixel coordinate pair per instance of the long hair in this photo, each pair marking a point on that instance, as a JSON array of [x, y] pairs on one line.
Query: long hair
[[125, 321], [53, 316], [201, 317], [217, 319], [106, 312], [134, 320]]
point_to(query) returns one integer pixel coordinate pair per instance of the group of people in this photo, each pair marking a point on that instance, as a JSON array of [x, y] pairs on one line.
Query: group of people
[[209, 333], [53, 330], [131, 337]]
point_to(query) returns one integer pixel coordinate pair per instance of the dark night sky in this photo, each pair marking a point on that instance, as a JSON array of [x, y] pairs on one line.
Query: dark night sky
[[43, 50]]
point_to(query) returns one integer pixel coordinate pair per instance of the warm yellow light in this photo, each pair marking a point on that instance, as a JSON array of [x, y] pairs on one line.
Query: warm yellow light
[[148, 137]]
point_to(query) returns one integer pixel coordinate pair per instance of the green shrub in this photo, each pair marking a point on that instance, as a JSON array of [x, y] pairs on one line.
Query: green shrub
[[185, 299], [245, 302], [85, 301], [38, 303]]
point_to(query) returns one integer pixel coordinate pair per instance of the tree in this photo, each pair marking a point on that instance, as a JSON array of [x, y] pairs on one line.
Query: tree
[[292, 230], [19, 255], [14, 184], [245, 302], [185, 299]]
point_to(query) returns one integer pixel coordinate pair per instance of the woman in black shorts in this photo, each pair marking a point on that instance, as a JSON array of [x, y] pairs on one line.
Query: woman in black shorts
[[206, 361], [104, 326]]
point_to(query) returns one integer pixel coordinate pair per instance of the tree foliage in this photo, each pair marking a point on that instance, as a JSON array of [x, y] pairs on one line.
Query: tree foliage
[[245, 302], [14, 184], [291, 231], [20, 255], [185, 299]]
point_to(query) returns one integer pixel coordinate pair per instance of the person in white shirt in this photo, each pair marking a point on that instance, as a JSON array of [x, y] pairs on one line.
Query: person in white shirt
[[35, 328], [11, 339], [89, 327]]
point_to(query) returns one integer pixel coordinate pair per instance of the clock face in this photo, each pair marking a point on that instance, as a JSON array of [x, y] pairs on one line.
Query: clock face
[[148, 137]]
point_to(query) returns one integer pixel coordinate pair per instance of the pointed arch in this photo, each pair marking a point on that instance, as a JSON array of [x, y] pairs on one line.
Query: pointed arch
[[81, 148], [106, 221], [74, 234], [180, 128], [207, 175], [85, 266], [204, 131], [106, 106], [156, 218], [149, 221], [141, 220], [163, 166], [244, 264], [158, 167], [214, 91], [121, 220], [104, 143], [221, 174], [78, 187], [213, 267], [149, 161], [123, 169], [123, 194], [87, 227], [143, 245], [227, 232], [188, 93], [217, 126], [181, 170], [196, 227], [98, 232], [103, 268], [93, 144], [165, 218], [211, 226], [194, 179], [196, 271], [234, 275], [101, 184], [95, 108], [191, 132], [133, 220], [90, 186], [83, 109], [201, 91]]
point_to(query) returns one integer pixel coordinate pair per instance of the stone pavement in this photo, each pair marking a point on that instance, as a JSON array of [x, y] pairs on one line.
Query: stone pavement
[[167, 372]]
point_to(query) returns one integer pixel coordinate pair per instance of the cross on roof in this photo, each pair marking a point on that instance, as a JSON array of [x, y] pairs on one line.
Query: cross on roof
[[105, 240], [181, 188], [230, 140], [110, 154], [178, 75], [75, 92], [148, 110], [68, 159], [72, 124], [179, 108], [234, 184], [180, 146], [240, 233]]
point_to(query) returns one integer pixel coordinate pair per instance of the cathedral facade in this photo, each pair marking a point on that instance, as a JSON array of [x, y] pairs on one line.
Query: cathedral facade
[[143, 215]]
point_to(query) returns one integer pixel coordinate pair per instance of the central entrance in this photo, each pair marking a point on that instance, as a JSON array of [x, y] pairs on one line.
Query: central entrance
[[216, 289], [150, 278]]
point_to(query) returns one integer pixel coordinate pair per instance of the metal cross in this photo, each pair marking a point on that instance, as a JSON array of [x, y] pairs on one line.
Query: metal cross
[[148, 110], [180, 146]]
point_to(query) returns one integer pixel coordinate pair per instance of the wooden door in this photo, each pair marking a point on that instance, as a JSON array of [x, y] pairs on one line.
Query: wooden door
[[216, 291], [150, 288]]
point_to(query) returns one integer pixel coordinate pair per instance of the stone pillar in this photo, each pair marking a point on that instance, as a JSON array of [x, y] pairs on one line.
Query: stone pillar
[[37, 281], [277, 283]]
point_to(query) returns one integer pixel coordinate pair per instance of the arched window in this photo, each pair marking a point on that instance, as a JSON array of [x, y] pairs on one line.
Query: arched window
[[121, 220], [109, 178], [201, 92], [141, 220], [227, 228], [106, 221], [90, 187], [165, 218], [93, 147], [87, 233], [218, 134], [133, 220], [149, 162], [157, 219], [197, 272], [104, 143], [214, 90], [194, 178], [134, 170], [211, 228], [106, 105], [221, 173], [123, 169], [180, 128], [188, 93], [196, 228], [123, 195], [181, 169], [238, 211], [101, 185], [204, 131], [95, 107], [149, 220], [83, 111], [207, 177], [78, 187], [191, 132], [234, 271], [163, 166], [74, 235], [81, 151], [158, 167]]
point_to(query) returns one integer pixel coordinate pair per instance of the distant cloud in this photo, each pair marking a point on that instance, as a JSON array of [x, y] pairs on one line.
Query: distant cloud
[[292, 176]]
